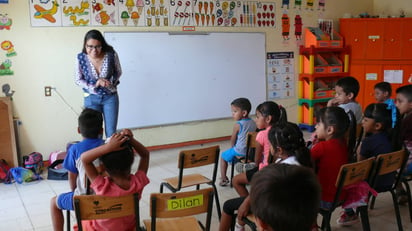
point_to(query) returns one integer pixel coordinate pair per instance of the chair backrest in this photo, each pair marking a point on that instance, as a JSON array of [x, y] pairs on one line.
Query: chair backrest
[[352, 173], [94, 207], [390, 162], [198, 157], [179, 204], [250, 143], [351, 136]]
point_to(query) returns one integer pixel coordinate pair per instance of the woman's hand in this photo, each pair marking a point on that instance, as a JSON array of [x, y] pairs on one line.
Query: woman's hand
[[102, 83]]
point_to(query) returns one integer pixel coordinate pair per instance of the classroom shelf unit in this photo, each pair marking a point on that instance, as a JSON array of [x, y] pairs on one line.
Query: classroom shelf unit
[[379, 47], [319, 69]]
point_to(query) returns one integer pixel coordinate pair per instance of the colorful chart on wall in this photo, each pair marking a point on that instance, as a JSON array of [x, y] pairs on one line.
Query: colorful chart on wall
[[152, 13], [45, 13], [280, 75]]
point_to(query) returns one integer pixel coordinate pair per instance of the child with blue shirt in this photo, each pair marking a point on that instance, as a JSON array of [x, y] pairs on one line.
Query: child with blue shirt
[[240, 112], [91, 128]]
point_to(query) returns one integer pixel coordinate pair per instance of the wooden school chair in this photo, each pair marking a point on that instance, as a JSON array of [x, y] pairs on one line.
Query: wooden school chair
[[177, 210], [93, 207], [349, 174], [405, 181], [250, 148], [88, 192], [192, 159], [388, 163], [351, 136]]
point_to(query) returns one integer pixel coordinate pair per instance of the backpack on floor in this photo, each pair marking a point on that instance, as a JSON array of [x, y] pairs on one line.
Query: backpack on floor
[[4, 170], [57, 155], [34, 162]]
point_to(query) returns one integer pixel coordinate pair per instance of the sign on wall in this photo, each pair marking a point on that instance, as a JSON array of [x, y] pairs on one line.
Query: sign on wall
[[152, 13], [280, 75]]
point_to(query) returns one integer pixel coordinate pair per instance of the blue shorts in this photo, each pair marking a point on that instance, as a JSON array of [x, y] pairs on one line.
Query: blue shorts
[[230, 154], [65, 201]]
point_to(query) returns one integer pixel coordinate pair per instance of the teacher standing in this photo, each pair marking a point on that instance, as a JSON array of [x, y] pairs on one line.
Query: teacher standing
[[98, 71]]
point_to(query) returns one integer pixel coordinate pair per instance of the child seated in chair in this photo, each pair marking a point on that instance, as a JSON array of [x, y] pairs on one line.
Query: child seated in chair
[[404, 105], [346, 90], [240, 112], [117, 158], [285, 197], [91, 128], [331, 152], [377, 126]]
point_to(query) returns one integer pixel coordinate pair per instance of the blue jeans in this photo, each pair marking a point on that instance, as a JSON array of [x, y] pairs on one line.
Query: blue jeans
[[109, 106]]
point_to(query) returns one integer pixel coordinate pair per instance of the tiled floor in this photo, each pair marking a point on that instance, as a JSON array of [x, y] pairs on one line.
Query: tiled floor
[[26, 206]]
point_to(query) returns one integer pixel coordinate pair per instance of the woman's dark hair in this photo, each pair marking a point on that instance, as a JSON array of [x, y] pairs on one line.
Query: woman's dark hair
[[95, 34], [290, 138], [119, 163], [270, 108], [336, 117]]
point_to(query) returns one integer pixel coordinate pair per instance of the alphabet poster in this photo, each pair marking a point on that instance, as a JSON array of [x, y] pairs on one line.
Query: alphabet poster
[[280, 75]]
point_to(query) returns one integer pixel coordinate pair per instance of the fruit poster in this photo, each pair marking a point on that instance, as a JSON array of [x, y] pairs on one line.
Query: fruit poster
[[280, 75], [152, 13]]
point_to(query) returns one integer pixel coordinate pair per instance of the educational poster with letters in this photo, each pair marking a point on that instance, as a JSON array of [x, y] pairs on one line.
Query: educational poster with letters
[[280, 75], [152, 13]]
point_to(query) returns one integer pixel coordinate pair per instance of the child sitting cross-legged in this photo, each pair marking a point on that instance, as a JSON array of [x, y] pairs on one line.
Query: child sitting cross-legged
[[117, 157]]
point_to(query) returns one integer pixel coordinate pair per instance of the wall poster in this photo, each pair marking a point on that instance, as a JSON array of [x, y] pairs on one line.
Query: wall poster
[[280, 75]]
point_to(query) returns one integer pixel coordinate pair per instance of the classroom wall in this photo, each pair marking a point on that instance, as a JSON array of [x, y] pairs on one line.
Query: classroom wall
[[46, 57]]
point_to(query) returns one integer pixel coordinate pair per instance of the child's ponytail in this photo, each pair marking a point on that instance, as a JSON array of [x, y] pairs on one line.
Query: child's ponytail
[[289, 137]]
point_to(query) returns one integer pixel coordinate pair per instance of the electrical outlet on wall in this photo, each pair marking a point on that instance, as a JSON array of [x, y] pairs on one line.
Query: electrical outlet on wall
[[47, 91]]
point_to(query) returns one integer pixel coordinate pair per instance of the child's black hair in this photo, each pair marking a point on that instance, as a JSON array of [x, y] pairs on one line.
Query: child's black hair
[[384, 87], [90, 123], [270, 108], [285, 197], [381, 113], [119, 163], [349, 85], [289, 137], [405, 91], [243, 104], [336, 117]]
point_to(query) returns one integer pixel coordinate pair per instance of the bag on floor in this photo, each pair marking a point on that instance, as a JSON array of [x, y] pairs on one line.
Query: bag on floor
[[34, 162], [57, 174], [57, 155], [4, 169], [23, 175]]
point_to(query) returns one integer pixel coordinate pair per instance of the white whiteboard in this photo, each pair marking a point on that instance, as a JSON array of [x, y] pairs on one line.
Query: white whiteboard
[[169, 79]]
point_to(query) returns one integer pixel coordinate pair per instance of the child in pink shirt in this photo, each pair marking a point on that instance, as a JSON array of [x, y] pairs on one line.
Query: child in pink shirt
[[117, 157]]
